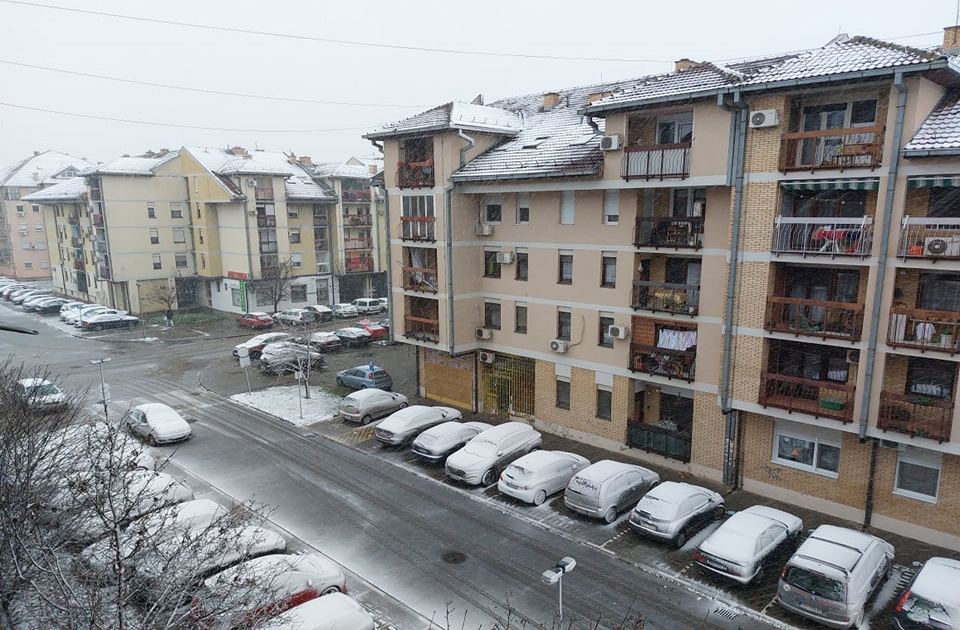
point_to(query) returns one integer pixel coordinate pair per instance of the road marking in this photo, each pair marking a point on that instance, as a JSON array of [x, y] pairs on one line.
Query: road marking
[[615, 538]]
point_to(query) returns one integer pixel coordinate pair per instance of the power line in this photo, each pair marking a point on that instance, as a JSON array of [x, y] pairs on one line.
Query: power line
[[165, 124], [170, 86], [330, 40]]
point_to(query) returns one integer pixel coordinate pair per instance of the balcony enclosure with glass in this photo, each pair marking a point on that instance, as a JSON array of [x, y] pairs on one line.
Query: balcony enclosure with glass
[[415, 169], [930, 228], [831, 133], [810, 378], [832, 218], [665, 283], [917, 398], [926, 311], [675, 220], [817, 301]]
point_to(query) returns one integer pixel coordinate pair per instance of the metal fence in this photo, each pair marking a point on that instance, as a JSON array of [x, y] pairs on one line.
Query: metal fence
[[659, 161], [654, 439], [823, 236]]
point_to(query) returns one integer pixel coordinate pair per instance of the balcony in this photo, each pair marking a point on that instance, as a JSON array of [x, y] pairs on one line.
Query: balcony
[[357, 244], [851, 147], [931, 238], [679, 364], [73, 219], [924, 329], [355, 196], [76, 242], [826, 399], [823, 236], [263, 193], [266, 221], [662, 441], [98, 220], [916, 415], [269, 247], [658, 161], [78, 264], [103, 271], [100, 246], [354, 221], [420, 279], [814, 318], [680, 299], [421, 328], [415, 174], [417, 228], [361, 265], [669, 232]]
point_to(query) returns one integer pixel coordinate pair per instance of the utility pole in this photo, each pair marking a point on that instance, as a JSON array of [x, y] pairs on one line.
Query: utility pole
[[103, 385]]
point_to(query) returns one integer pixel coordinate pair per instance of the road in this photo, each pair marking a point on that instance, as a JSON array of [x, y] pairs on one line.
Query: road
[[425, 545]]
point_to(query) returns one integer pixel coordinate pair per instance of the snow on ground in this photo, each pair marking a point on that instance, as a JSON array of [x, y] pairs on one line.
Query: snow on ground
[[284, 402]]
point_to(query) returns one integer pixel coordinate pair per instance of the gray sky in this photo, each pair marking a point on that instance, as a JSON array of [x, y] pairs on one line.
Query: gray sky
[[236, 62]]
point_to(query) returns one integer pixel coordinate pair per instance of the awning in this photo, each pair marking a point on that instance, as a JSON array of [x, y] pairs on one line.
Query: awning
[[934, 181], [867, 183]]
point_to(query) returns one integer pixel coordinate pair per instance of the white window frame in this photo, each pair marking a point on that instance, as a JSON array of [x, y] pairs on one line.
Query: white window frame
[[817, 438], [917, 458], [492, 200], [293, 213], [306, 293], [176, 261], [290, 234], [182, 235], [611, 207], [152, 210], [157, 262], [38, 227], [296, 260], [677, 119], [523, 201], [568, 207], [176, 211], [35, 208], [28, 265], [154, 233]]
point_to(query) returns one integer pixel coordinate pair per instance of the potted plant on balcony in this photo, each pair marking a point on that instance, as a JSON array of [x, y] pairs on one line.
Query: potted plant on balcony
[[832, 404]]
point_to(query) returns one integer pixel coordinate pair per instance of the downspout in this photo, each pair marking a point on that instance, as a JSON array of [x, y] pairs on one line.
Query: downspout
[[448, 237], [389, 246], [593, 124]]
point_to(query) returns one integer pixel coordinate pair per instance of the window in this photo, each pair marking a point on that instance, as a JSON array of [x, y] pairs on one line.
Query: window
[[154, 236], [807, 451], [688, 202], [236, 298], [611, 207], [35, 208], [293, 213], [918, 474], [491, 268], [604, 402], [156, 262], [523, 208], [491, 315], [179, 235], [23, 229], [44, 264], [176, 211], [522, 265], [939, 292], [28, 265], [323, 291], [298, 293], [151, 211], [20, 210], [323, 261], [606, 321], [296, 260], [675, 129], [930, 377], [200, 235], [563, 324], [294, 234], [38, 227], [608, 269], [568, 207], [520, 318], [493, 209], [563, 393], [203, 261], [180, 260], [565, 267], [198, 209]]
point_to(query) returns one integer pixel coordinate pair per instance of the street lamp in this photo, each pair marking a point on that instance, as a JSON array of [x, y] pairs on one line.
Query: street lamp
[[554, 575], [103, 385]]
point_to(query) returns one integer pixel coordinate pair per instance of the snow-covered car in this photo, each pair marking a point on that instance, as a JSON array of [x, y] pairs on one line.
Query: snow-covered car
[[23, 296], [294, 317], [11, 288], [537, 475], [90, 314], [404, 425], [255, 344], [285, 356], [607, 488], [87, 310], [365, 306], [436, 443], [320, 340], [157, 424], [353, 336], [366, 405], [376, 330], [333, 612], [81, 447], [30, 303], [932, 600], [49, 306], [40, 394], [738, 548], [320, 312], [384, 304], [69, 307], [109, 319], [344, 310], [255, 320], [481, 459], [364, 377], [674, 510]]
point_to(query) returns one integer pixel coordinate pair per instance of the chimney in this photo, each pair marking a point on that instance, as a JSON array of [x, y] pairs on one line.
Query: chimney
[[372, 169], [239, 151], [951, 37], [550, 100], [305, 160], [683, 64]]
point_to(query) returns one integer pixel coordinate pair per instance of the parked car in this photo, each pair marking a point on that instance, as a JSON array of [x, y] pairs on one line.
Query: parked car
[[404, 425], [90, 314], [285, 356], [333, 612], [40, 395], [74, 316], [320, 312], [740, 546], [320, 340], [344, 310], [50, 306], [375, 330], [255, 345], [366, 306], [366, 405], [8, 290], [295, 317], [482, 458], [436, 443], [385, 323], [353, 336], [832, 574], [69, 307], [255, 320], [21, 297], [537, 475], [606, 488], [31, 302], [673, 511], [364, 376], [109, 319], [384, 304], [932, 600], [157, 424]]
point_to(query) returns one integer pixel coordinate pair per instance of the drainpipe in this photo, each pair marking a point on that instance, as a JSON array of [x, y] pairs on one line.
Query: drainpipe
[[738, 134], [593, 124], [448, 237], [463, 150], [389, 246]]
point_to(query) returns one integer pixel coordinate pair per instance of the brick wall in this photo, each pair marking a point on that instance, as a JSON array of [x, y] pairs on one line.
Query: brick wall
[[907, 287], [895, 373], [917, 202], [753, 286], [749, 362], [763, 145], [761, 203], [709, 427], [583, 402], [944, 515]]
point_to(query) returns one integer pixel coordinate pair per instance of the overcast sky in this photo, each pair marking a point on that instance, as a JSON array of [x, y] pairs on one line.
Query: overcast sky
[[320, 71]]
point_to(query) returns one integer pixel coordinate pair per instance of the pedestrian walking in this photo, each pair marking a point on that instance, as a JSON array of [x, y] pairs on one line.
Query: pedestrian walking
[[168, 316]]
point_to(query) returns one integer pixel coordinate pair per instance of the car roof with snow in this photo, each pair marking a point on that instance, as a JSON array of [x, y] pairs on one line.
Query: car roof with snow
[[502, 430], [938, 581], [676, 491], [363, 394], [736, 538], [599, 472], [159, 411], [537, 459], [445, 429], [34, 382], [834, 546]]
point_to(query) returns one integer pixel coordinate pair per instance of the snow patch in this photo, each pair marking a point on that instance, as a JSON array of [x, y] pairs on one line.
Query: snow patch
[[284, 403]]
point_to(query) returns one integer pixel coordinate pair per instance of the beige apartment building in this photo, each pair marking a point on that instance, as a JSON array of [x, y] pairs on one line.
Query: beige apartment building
[[23, 241], [749, 272]]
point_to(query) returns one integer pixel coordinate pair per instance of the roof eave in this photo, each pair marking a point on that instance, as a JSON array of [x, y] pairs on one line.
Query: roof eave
[[919, 153], [396, 133], [514, 176]]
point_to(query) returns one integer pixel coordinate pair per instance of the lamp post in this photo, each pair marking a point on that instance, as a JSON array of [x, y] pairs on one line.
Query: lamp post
[[103, 385], [554, 575]]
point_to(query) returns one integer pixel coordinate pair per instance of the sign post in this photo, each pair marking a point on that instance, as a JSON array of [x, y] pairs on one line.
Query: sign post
[[244, 354], [299, 395]]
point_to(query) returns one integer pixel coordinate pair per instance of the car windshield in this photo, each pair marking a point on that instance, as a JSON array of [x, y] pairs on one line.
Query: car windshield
[[920, 610], [480, 447], [519, 472], [46, 389], [379, 374], [658, 508], [815, 584]]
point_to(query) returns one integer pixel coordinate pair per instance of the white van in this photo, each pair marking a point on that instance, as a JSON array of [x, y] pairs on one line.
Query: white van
[[366, 306], [607, 488]]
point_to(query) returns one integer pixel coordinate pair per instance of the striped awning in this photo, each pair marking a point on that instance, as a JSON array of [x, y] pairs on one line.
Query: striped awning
[[934, 181], [867, 183]]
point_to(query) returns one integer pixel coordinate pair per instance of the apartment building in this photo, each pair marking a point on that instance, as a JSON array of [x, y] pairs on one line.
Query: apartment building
[[743, 271], [23, 242]]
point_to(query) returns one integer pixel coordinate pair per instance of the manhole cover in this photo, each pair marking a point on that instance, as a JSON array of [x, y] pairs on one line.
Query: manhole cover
[[454, 557]]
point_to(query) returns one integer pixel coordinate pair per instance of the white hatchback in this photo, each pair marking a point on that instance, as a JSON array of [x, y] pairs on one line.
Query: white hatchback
[[537, 475]]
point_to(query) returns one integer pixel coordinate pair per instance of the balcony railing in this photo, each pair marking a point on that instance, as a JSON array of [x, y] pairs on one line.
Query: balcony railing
[[680, 364], [659, 440], [851, 147], [421, 328], [357, 221], [355, 196], [666, 297], [823, 236], [78, 264], [76, 241], [73, 219], [104, 272], [659, 161], [817, 398], [933, 238], [924, 329], [98, 220], [269, 247], [358, 266], [269, 262], [915, 415], [420, 279], [266, 221], [415, 174], [417, 228], [815, 318], [357, 243], [263, 192], [669, 232]]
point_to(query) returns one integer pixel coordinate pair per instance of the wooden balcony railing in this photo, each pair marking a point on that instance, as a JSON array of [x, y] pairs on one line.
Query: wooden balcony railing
[[680, 364], [659, 440], [358, 222], [817, 398], [421, 328], [814, 318], [933, 238], [355, 196], [417, 228], [659, 161], [415, 174], [420, 279], [924, 329], [666, 297], [269, 262], [823, 236], [669, 232], [916, 415], [851, 147], [357, 243]]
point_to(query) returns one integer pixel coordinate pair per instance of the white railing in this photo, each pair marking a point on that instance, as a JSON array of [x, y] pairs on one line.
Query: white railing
[[823, 236], [929, 237]]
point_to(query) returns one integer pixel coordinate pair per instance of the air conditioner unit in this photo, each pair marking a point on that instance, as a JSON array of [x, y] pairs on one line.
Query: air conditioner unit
[[853, 356], [941, 246], [618, 332], [504, 258], [484, 229], [487, 357], [559, 345], [483, 333], [610, 143], [764, 118]]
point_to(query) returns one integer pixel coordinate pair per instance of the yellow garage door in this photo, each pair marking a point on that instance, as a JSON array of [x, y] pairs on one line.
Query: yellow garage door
[[447, 379]]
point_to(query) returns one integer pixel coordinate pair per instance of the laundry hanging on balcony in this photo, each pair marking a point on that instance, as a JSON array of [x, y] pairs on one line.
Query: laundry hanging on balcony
[[864, 183], [669, 339]]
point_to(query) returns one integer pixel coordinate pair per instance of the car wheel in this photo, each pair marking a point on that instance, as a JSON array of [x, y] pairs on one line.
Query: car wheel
[[151, 440], [719, 512], [366, 419], [329, 590], [339, 382], [489, 477], [610, 515], [681, 539], [403, 405], [540, 497]]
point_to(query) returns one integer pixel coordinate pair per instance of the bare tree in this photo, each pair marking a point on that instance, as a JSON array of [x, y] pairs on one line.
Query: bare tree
[[275, 282], [163, 292]]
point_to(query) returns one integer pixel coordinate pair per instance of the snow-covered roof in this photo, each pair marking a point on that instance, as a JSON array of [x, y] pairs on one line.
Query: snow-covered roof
[[346, 168], [44, 168], [938, 580], [940, 132], [303, 187], [224, 162], [131, 165], [71, 189], [453, 115]]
